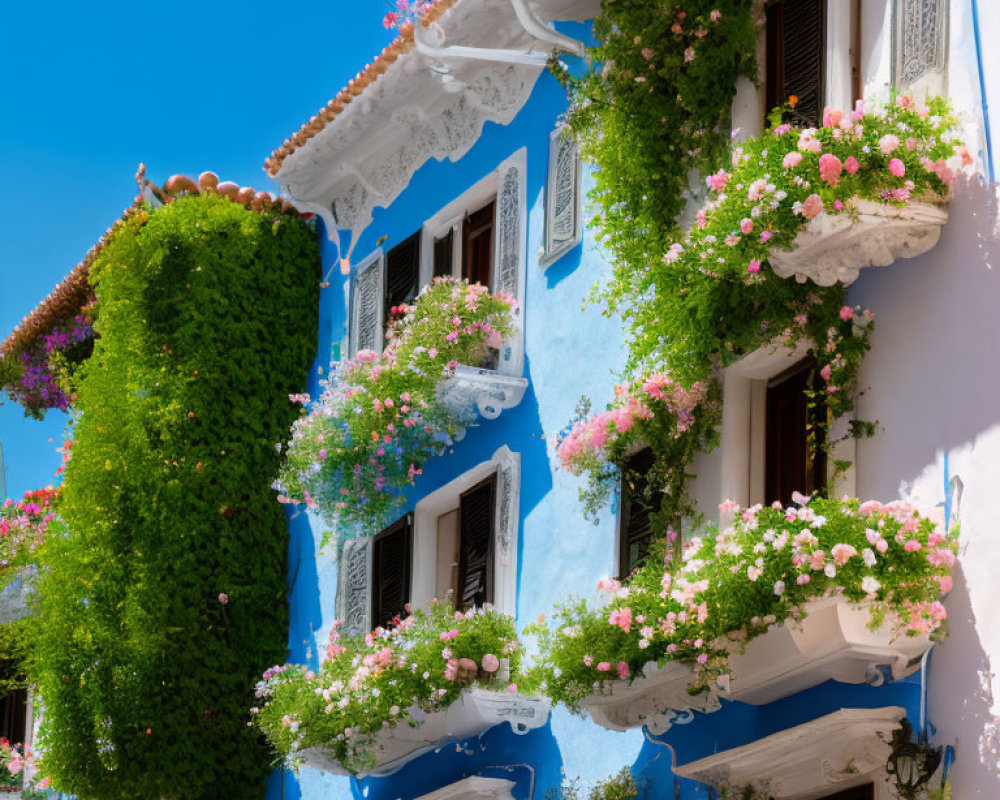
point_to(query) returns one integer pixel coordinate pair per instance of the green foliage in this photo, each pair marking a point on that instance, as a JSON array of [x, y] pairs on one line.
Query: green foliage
[[731, 585], [653, 107], [620, 786], [364, 685], [380, 417], [167, 598]]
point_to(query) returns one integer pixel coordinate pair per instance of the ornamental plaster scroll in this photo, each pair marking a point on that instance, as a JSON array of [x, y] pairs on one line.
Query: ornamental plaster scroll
[[476, 711], [920, 46], [353, 587], [847, 747], [484, 391], [657, 700], [510, 255], [835, 247], [446, 130], [505, 528]]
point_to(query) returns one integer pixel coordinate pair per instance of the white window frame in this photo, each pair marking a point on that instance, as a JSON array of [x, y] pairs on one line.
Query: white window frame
[[744, 414], [552, 250], [506, 465], [490, 187]]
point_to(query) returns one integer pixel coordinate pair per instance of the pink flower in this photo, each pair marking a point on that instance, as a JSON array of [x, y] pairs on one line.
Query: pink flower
[[846, 313], [676, 28], [588, 660], [832, 117], [803, 579], [389, 20], [622, 617], [647, 53], [702, 659], [812, 206], [491, 663], [609, 585], [512, 688], [912, 546], [718, 181], [851, 165], [746, 225], [825, 373], [945, 582], [841, 553], [754, 266], [765, 235], [830, 168], [881, 545], [223, 598], [838, 205], [859, 110], [897, 168], [792, 159], [622, 669], [715, 15], [888, 143], [604, 666]]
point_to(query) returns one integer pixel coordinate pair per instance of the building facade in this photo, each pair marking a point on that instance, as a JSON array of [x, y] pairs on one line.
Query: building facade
[[450, 161]]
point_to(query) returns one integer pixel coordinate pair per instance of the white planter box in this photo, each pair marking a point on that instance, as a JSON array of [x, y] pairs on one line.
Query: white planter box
[[475, 711], [832, 643], [486, 391], [655, 699], [835, 247]]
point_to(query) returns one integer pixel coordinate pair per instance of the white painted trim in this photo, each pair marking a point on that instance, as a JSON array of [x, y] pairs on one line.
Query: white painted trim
[[475, 787], [823, 756], [451, 216], [551, 252], [505, 528]]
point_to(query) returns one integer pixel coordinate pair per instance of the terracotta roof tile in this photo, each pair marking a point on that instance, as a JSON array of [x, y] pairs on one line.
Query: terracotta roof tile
[[401, 45]]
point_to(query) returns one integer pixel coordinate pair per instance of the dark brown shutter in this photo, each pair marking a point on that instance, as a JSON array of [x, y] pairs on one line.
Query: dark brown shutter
[[443, 250], [475, 563], [788, 465], [391, 557], [477, 245], [402, 273], [865, 792], [14, 715], [635, 525], [796, 50]]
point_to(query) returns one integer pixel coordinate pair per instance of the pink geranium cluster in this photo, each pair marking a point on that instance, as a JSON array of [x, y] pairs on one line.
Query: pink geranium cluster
[[659, 397], [406, 12], [789, 175], [763, 565], [23, 527], [381, 417]]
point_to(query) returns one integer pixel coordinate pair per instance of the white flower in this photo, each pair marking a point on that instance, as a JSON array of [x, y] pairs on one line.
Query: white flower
[[830, 570], [870, 585], [753, 572], [779, 588], [394, 711], [869, 556]]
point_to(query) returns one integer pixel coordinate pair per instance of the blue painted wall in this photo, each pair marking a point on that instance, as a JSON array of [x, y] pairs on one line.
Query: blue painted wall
[[569, 352]]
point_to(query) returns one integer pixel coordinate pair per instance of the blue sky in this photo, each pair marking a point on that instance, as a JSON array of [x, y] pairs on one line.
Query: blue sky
[[92, 89]]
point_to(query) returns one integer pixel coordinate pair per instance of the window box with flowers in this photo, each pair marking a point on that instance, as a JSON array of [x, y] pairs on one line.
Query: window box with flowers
[[821, 203], [785, 599], [380, 702], [383, 415]]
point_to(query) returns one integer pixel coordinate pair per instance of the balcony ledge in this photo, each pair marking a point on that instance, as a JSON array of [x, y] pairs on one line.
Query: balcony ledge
[[485, 391], [475, 711], [829, 754], [832, 643], [835, 247]]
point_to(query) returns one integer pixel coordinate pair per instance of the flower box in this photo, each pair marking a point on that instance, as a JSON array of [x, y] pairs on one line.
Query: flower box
[[475, 711], [833, 642], [486, 391], [655, 699], [835, 247]]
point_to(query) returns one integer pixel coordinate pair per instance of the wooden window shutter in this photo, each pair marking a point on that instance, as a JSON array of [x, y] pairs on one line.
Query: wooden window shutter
[[391, 559], [477, 246], [14, 715], [562, 195], [796, 51], [367, 307], [444, 249], [788, 464], [635, 524], [402, 273], [475, 565]]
